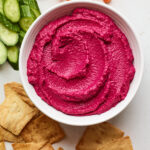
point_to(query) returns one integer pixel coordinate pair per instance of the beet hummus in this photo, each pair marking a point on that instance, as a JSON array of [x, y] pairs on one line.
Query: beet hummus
[[81, 64]]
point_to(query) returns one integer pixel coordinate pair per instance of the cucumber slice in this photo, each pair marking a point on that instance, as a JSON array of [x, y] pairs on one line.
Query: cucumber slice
[[12, 10], [11, 26], [1, 6], [8, 37], [33, 4], [34, 7], [36, 12], [26, 22], [3, 53], [27, 12], [13, 56]]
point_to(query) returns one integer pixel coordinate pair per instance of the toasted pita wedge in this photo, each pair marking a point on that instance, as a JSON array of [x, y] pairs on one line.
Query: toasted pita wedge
[[19, 90], [98, 134], [48, 146], [15, 113], [118, 144], [42, 129], [2, 146], [8, 136], [27, 146]]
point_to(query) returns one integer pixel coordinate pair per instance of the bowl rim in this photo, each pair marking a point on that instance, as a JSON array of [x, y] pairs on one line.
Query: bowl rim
[[91, 121]]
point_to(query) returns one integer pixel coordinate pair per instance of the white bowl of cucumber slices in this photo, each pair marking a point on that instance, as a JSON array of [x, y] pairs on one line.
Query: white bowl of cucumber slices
[[16, 16]]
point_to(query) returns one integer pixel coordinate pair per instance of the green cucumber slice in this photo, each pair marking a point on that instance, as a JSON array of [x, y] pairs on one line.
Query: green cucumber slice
[[13, 57], [8, 37], [36, 12], [26, 22], [33, 6], [26, 11], [3, 53], [11, 26], [12, 10]]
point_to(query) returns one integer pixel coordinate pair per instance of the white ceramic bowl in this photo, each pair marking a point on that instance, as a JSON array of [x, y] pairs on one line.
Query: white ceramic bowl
[[64, 9]]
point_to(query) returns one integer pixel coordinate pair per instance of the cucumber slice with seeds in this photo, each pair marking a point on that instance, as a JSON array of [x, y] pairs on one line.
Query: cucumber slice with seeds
[[8, 37], [3, 53], [11, 26], [13, 56], [26, 22], [12, 10]]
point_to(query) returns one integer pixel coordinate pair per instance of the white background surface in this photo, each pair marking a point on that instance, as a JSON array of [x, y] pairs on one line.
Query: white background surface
[[135, 119]]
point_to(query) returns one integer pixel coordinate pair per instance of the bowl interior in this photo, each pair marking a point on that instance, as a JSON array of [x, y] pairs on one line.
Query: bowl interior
[[61, 10]]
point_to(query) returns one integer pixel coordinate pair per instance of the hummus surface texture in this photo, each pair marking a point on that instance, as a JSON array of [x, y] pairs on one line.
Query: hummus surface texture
[[81, 64]]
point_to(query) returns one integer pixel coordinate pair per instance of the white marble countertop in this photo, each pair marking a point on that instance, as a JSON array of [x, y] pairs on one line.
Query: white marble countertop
[[135, 119]]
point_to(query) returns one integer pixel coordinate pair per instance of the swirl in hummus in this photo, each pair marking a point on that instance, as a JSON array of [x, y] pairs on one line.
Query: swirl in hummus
[[81, 64]]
